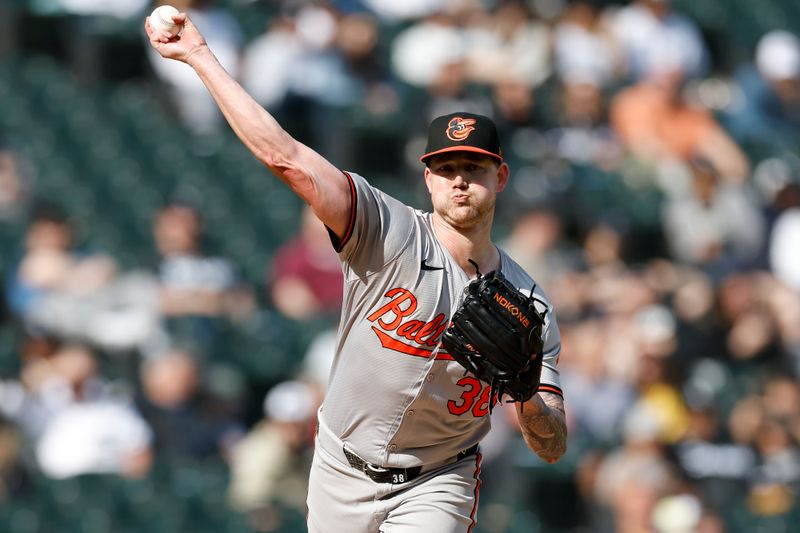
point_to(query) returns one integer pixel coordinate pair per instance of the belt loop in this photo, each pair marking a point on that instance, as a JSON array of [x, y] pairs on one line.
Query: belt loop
[[466, 453]]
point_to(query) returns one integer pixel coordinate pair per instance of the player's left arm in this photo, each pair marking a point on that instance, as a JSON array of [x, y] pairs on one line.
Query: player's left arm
[[542, 419], [544, 426]]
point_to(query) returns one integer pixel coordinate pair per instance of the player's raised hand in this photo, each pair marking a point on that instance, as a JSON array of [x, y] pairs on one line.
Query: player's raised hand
[[181, 46]]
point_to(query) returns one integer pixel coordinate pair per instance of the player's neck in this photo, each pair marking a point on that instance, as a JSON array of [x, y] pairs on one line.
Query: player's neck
[[473, 244]]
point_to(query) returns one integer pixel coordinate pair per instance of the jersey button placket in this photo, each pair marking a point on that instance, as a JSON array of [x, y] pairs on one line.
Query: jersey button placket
[[393, 447]]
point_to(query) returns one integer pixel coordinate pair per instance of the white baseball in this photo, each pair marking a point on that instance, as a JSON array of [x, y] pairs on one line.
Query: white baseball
[[161, 20]]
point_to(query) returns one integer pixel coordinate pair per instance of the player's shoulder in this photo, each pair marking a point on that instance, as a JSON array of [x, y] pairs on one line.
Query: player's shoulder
[[416, 220], [364, 186]]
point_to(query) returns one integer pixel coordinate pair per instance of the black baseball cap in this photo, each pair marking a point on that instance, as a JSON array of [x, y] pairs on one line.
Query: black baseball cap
[[462, 132]]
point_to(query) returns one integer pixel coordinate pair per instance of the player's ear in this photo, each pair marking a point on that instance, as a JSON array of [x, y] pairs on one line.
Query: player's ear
[[428, 177], [503, 172]]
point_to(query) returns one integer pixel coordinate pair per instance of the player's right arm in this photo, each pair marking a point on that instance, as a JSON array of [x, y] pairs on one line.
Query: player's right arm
[[308, 174]]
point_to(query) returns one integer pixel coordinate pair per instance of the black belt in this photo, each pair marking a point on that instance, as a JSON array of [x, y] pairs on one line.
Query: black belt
[[380, 474]]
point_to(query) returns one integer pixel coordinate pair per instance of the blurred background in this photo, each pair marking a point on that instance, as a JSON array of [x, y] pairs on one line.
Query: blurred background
[[169, 309]]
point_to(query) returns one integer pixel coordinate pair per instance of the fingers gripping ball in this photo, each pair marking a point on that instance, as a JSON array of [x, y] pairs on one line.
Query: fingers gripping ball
[[161, 20]]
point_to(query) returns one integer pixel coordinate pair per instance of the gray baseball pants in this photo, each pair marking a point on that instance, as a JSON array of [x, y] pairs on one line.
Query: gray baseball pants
[[342, 499]]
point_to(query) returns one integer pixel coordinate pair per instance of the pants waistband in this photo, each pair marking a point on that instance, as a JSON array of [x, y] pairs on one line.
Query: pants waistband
[[378, 473]]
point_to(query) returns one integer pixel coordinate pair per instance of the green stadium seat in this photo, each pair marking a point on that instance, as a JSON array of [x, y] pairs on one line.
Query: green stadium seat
[[25, 520], [524, 521], [9, 354]]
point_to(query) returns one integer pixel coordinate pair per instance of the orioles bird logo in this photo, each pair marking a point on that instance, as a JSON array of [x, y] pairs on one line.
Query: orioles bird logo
[[459, 128]]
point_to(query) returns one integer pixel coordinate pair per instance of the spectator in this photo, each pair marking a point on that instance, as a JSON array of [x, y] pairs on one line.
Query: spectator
[[192, 282], [783, 303], [321, 76], [269, 466], [584, 50], [631, 479], [48, 260], [450, 91], [784, 254], [603, 247], [59, 290], [357, 39], [769, 113], [582, 133], [303, 68], [432, 55], [420, 52], [658, 124], [96, 438], [187, 421], [193, 285], [713, 224], [509, 40], [719, 469], [78, 422], [599, 401], [658, 373], [650, 33], [515, 107], [768, 428], [537, 243], [748, 331], [306, 277], [275, 52]]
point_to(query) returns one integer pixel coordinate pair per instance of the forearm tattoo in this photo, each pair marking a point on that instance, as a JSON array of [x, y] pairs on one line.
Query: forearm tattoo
[[545, 429]]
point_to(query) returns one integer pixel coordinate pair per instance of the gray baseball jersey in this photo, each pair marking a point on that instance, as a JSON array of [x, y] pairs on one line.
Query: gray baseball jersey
[[394, 396]]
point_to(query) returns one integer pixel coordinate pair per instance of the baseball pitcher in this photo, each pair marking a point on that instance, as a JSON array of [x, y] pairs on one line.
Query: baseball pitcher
[[438, 324]]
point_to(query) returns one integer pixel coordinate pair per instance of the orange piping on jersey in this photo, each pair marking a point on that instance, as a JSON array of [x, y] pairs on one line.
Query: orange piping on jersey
[[399, 346], [477, 474], [444, 356], [352, 221], [551, 388]]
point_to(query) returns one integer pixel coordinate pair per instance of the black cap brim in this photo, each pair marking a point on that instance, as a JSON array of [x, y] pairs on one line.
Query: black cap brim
[[426, 157]]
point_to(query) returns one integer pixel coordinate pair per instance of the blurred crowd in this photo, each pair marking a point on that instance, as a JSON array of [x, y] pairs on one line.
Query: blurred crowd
[[655, 197]]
